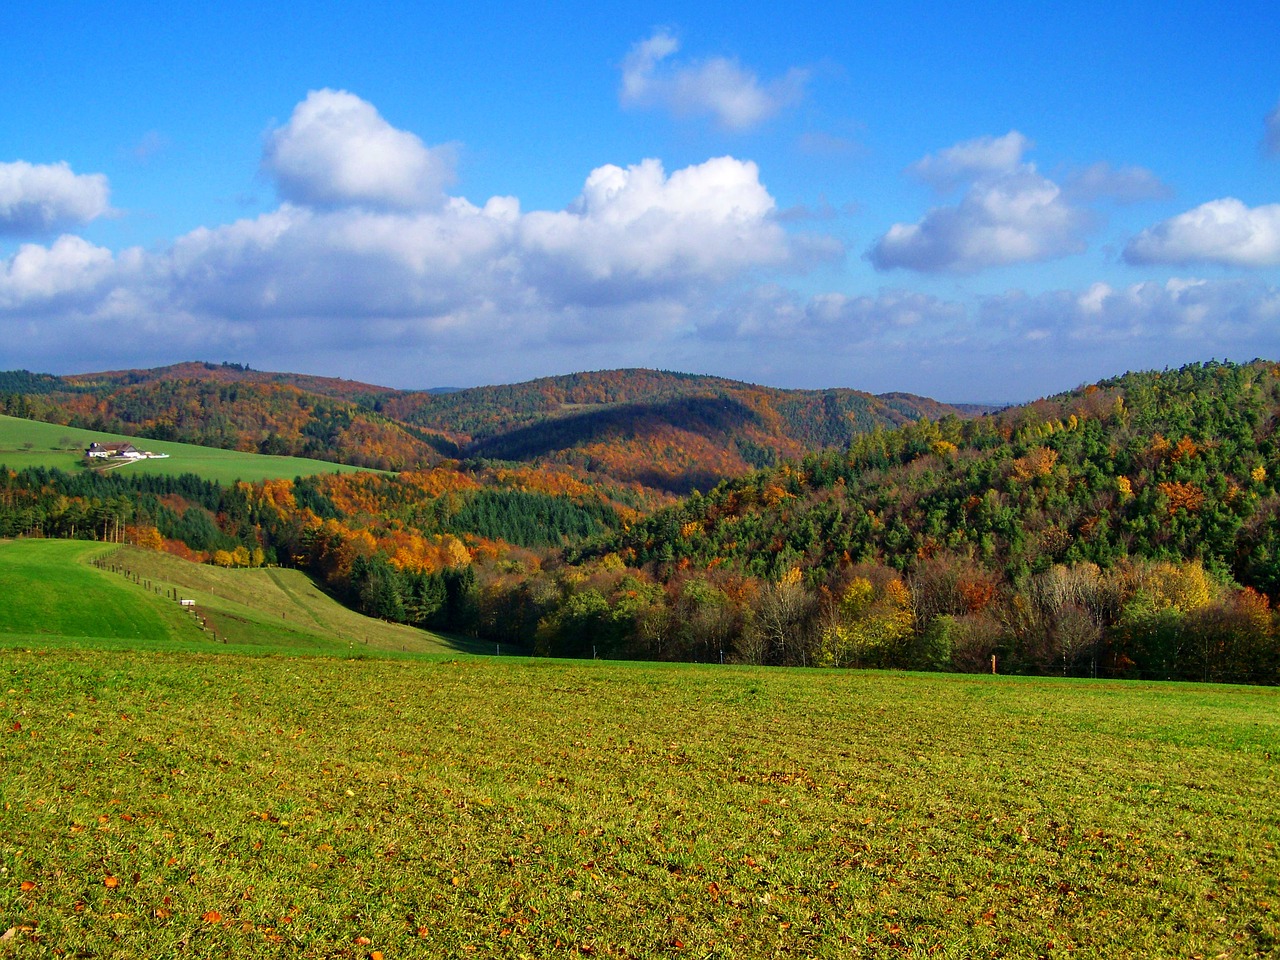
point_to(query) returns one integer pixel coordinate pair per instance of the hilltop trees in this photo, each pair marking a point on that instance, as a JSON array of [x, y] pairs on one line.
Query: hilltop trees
[[1127, 529]]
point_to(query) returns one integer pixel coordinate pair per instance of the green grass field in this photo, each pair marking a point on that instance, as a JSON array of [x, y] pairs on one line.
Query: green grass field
[[183, 798], [50, 595], [31, 443]]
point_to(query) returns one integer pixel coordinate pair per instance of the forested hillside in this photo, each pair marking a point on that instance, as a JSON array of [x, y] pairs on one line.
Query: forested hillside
[[1129, 528], [401, 547], [671, 433], [228, 373], [252, 417]]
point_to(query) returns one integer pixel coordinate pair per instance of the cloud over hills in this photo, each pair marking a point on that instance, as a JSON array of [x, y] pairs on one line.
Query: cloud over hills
[[367, 248], [40, 198], [1222, 232], [337, 150], [1009, 213]]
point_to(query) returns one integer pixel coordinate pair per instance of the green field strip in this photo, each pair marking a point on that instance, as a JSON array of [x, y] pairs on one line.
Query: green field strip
[[32, 443]]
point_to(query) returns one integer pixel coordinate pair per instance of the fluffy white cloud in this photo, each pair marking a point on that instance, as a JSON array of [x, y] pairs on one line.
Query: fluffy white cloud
[[337, 150], [1008, 214], [718, 87], [627, 261], [37, 198], [1016, 217], [1102, 181], [1221, 231], [36, 276], [639, 226], [633, 235]]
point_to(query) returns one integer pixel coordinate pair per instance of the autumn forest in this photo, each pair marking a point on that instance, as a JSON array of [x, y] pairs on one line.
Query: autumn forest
[[1129, 528]]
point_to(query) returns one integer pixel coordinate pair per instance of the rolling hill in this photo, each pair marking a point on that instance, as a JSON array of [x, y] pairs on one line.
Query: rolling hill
[[1130, 527], [668, 432], [33, 443], [77, 593]]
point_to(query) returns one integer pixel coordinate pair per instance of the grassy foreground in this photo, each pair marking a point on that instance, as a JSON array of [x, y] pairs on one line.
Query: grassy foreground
[[186, 804], [31, 443]]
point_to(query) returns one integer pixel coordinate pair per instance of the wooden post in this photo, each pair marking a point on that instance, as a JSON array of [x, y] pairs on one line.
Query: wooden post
[[993, 664]]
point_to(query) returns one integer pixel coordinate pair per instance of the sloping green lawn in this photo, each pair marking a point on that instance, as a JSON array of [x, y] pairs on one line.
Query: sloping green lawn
[[31, 443], [50, 594], [48, 589]]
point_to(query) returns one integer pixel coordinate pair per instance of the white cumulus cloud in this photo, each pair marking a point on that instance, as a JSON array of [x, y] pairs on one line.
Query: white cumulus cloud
[[338, 150], [718, 87], [639, 226], [38, 198], [1009, 213], [627, 261], [1017, 217], [70, 268], [1225, 232]]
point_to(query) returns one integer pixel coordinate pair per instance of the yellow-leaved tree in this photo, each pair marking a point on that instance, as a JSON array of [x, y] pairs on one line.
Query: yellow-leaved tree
[[869, 627]]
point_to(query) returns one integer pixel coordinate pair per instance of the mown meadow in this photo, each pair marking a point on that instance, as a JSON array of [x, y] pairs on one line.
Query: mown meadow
[[30, 443], [185, 803], [77, 593]]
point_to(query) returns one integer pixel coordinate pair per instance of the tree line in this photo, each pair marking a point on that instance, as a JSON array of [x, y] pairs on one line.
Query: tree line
[[1127, 529]]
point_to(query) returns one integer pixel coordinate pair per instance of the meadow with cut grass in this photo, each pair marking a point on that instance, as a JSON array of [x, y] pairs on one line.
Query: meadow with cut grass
[[76, 593], [31, 443], [193, 800]]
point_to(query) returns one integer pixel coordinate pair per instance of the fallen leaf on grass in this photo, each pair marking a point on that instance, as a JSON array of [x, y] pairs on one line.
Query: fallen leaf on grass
[[212, 916], [9, 934], [27, 886], [111, 882]]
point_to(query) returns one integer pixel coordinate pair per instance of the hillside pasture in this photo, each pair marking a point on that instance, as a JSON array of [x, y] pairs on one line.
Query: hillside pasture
[[49, 592], [31, 443], [229, 806], [52, 595]]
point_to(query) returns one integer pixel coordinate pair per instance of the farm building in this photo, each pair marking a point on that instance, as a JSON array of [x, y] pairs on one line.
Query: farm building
[[114, 449]]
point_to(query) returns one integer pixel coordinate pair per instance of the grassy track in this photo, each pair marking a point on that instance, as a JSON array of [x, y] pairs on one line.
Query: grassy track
[[50, 595], [30, 443], [212, 806]]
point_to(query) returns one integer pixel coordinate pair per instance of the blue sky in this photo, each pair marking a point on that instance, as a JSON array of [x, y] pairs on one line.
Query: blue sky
[[989, 203]]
